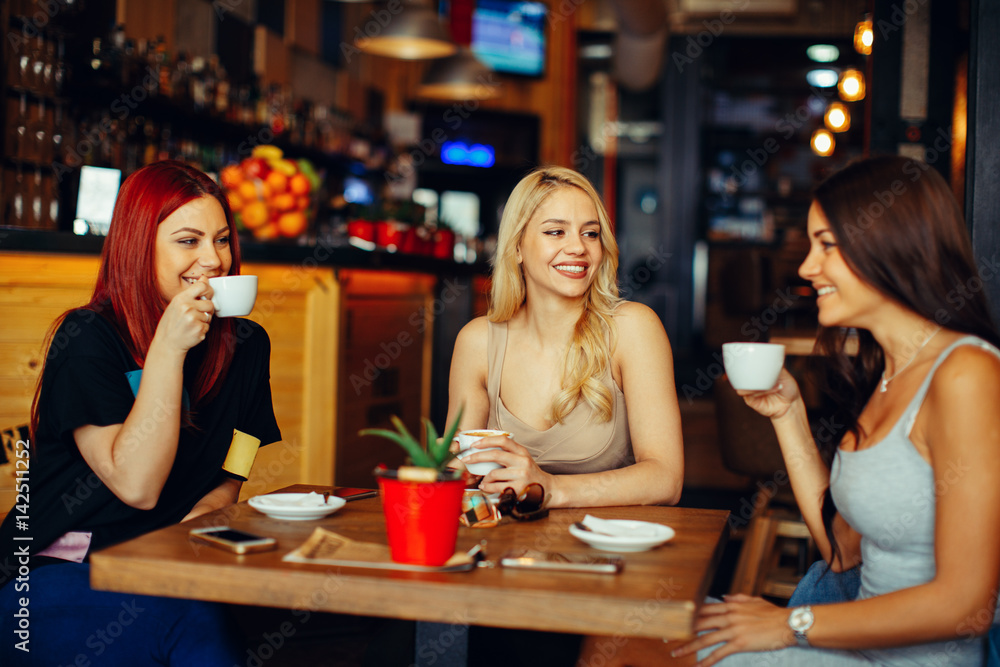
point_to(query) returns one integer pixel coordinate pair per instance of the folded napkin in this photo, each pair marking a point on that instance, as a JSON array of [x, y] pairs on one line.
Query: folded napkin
[[614, 528], [311, 499]]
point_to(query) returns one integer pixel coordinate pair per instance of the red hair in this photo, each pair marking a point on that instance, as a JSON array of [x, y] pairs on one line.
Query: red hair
[[127, 294]]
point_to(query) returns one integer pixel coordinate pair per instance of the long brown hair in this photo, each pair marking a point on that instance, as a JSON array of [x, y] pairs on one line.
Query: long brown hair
[[126, 292], [900, 230]]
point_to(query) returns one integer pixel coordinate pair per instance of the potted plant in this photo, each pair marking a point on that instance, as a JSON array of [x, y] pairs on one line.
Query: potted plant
[[421, 501]]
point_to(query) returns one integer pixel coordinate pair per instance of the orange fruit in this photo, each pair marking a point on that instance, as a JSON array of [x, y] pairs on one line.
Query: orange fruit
[[247, 191], [277, 181], [266, 232], [284, 202], [254, 214], [231, 176], [302, 202], [292, 224], [235, 201], [299, 184]]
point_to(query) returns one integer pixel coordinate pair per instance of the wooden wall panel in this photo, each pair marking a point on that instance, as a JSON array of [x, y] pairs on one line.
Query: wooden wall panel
[[298, 306]]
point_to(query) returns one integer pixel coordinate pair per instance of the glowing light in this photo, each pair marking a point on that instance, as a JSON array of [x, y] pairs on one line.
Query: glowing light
[[851, 85], [476, 155], [822, 78], [822, 142], [864, 37], [823, 53], [837, 117]]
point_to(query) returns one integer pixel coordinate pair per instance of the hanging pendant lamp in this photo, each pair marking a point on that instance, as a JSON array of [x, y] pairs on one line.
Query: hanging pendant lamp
[[414, 32], [460, 76]]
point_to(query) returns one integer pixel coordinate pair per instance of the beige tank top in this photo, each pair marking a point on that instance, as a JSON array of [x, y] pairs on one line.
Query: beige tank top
[[579, 444]]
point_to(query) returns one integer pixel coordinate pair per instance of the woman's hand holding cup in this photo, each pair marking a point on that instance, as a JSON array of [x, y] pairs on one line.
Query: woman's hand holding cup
[[186, 319], [756, 372], [478, 465]]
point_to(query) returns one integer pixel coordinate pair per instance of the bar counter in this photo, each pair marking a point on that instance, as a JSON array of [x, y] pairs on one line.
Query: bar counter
[[356, 337], [337, 254]]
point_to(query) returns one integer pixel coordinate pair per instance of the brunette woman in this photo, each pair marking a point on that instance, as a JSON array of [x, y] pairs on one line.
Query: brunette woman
[[148, 412], [910, 489], [582, 380]]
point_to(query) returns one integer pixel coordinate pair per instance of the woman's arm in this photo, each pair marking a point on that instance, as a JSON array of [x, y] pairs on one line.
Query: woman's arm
[[224, 495], [644, 356], [961, 427], [807, 473], [134, 458], [467, 378], [645, 359]]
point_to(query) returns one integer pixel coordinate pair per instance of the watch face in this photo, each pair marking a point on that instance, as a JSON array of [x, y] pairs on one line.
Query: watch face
[[801, 619]]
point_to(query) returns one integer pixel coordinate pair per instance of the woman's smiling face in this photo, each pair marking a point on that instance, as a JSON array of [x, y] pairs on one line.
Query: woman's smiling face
[[843, 298], [560, 251], [191, 242]]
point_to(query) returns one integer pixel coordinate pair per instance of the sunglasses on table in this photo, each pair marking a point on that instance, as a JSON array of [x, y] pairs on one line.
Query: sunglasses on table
[[529, 505]]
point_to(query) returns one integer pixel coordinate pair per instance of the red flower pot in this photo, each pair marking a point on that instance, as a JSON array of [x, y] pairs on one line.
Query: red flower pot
[[421, 519]]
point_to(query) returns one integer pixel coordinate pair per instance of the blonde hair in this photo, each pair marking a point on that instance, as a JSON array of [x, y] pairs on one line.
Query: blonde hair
[[589, 354]]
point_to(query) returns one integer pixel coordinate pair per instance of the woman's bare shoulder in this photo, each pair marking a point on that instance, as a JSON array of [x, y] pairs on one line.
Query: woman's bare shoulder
[[473, 336], [969, 379], [637, 320]]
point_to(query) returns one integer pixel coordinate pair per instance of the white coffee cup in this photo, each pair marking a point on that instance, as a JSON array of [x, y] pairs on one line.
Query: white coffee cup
[[465, 441], [753, 366], [234, 296]]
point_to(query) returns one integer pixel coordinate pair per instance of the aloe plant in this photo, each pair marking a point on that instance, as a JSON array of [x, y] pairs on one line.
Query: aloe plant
[[437, 454]]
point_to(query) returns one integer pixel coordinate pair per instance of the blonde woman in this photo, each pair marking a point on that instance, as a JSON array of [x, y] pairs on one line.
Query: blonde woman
[[582, 380]]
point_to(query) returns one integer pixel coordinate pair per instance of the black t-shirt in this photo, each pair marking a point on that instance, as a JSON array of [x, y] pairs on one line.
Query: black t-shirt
[[85, 382]]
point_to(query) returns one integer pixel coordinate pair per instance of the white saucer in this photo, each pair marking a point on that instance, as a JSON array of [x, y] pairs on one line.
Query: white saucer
[[655, 535], [294, 507]]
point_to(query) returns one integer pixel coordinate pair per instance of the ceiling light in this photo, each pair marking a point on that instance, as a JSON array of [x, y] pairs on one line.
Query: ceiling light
[[823, 53], [864, 37], [822, 78], [822, 142], [461, 76], [851, 85], [837, 117], [413, 33]]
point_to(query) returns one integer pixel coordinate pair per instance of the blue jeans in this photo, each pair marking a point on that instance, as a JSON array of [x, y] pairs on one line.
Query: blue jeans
[[815, 587], [993, 647], [71, 624]]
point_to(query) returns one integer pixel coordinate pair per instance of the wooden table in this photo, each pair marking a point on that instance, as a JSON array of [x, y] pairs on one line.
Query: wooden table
[[656, 595]]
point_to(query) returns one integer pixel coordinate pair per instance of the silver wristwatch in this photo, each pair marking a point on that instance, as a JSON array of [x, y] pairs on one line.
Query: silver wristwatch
[[800, 620]]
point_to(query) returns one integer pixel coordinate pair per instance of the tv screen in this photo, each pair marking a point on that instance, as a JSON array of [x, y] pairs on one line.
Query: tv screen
[[509, 36]]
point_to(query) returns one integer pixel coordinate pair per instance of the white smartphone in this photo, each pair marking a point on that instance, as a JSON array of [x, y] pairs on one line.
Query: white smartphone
[[547, 560], [235, 541]]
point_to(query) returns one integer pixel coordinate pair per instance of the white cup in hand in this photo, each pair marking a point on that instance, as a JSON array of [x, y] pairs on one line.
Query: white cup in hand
[[234, 296], [753, 366], [465, 441]]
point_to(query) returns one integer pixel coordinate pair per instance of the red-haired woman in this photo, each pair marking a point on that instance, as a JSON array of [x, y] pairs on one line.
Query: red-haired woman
[[148, 412]]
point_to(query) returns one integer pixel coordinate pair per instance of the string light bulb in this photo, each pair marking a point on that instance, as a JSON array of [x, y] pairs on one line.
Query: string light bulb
[[851, 85], [822, 142], [864, 37], [837, 118]]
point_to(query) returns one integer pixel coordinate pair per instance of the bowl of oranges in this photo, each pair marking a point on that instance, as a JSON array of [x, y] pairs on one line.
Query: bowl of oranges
[[271, 196]]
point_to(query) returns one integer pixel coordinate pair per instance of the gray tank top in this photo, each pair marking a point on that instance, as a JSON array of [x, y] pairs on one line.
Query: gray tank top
[[579, 444], [886, 492]]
